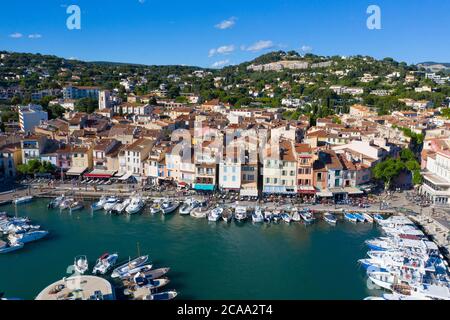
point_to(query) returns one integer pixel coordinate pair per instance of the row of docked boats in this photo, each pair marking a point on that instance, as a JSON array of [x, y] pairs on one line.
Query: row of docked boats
[[140, 281], [16, 232], [66, 203], [406, 263], [363, 217]]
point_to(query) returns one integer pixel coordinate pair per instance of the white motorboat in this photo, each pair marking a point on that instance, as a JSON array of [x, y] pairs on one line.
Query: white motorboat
[[169, 206], [121, 206], [258, 215], [76, 206], [55, 203], [22, 200], [66, 204], [286, 217], [81, 264], [200, 212], [105, 263], [125, 268], [240, 213], [99, 204], [27, 236], [145, 283], [10, 247], [136, 205], [168, 295], [110, 204], [215, 214], [307, 216]]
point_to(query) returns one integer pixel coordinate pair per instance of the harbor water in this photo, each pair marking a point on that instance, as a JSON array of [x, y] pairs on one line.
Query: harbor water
[[207, 260]]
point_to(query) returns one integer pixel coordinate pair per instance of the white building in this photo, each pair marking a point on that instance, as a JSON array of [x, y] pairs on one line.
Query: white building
[[104, 100], [31, 116], [436, 178]]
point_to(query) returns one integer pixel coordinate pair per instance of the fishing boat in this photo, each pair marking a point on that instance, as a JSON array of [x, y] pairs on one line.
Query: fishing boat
[[188, 206], [168, 295], [136, 205], [28, 236], [307, 217], [77, 205], [156, 207], [227, 215], [144, 283], [81, 264], [286, 217], [125, 268], [240, 213], [378, 218], [267, 216], [296, 216], [368, 217], [96, 206], [169, 206], [215, 214], [359, 217], [10, 247], [350, 217], [258, 215], [276, 216], [148, 274], [330, 218], [22, 200], [55, 203], [105, 263]]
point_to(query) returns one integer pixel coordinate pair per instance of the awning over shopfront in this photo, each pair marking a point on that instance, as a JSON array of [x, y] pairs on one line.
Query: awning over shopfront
[[278, 190], [324, 194], [76, 171], [98, 173], [123, 177], [204, 187], [353, 191], [306, 190], [249, 193]]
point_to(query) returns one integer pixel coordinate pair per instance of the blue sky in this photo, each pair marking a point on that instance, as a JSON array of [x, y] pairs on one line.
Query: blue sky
[[207, 32]]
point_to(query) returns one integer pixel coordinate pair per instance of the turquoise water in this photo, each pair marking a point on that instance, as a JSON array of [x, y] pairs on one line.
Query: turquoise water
[[207, 260]]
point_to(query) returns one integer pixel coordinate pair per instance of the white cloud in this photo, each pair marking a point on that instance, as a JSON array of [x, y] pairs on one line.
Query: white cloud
[[141, 1], [258, 46], [221, 50], [220, 64], [306, 48], [226, 24], [35, 36], [16, 35]]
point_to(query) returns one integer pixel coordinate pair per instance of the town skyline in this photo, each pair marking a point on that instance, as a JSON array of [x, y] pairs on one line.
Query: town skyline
[[226, 34]]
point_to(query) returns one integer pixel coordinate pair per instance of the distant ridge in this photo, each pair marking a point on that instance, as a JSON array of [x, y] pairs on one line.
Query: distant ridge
[[435, 66]]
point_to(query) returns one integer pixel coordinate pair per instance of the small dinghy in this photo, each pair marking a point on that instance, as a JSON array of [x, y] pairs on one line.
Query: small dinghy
[[330, 218], [240, 213], [227, 215], [258, 215], [350, 217], [296, 216]]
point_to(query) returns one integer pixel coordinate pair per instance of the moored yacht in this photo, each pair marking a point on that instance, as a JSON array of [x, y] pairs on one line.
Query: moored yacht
[[28, 236], [22, 200], [136, 205], [125, 268], [11, 246], [55, 203]]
